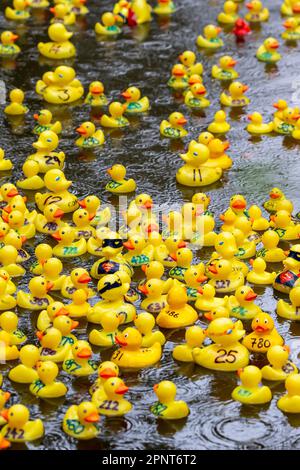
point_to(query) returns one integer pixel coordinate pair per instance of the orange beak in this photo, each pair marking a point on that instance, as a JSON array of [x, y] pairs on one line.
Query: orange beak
[[178, 73], [58, 213], [249, 117], [218, 29], [249, 6], [7, 209], [52, 10], [84, 353], [74, 324], [260, 329], [155, 387], [148, 205], [201, 278], [274, 196], [62, 311], [12, 193], [275, 45], [4, 414], [208, 316], [4, 444], [5, 217], [126, 95], [92, 216], [84, 278], [122, 389], [82, 203], [181, 121], [120, 342], [245, 88], [200, 290], [96, 90], [81, 130], [213, 269], [222, 217], [239, 371], [232, 63], [129, 245], [107, 373], [40, 335], [193, 80], [94, 417], [50, 285], [201, 91], [226, 145], [238, 204], [35, 116], [56, 236], [23, 239], [144, 289], [144, 267], [6, 396], [14, 37], [173, 256], [250, 296]]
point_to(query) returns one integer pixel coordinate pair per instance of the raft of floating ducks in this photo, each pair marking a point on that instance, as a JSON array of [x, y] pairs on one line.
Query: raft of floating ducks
[[175, 292]]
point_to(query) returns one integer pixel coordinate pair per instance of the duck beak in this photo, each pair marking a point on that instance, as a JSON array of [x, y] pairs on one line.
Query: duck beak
[[129, 245], [74, 324], [56, 236], [275, 45], [58, 213], [49, 286], [250, 117], [245, 88], [251, 261], [144, 267], [213, 269], [274, 195], [238, 204], [107, 373], [82, 203], [201, 278], [148, 205], [92, 216], [201, 91], [119, 341], [23, 239], [173, 256], [4, 414], [7, 209], [40, 335], [81, 130], [222, 217], [4, 444], [226, 145], [181, 121], [122, 389], [126, 95], [5, 217], [250, 296], [232, 63], [12, 193], [96, 90], [84, 353], [200, 290], [84, 278], [52, 10], [276, 105], [239, 371], [6, 396], [155, 387], [260, 329], [93, 417], [35, 116], [287, 348], [62, 311], [178, 73], [249, 6], [208, 316], [108, 171], [143, 289], [14, 37]]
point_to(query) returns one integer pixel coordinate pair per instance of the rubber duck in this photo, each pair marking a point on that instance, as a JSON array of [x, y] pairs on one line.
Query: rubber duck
[[46, 386], [196, 97], [111, 260], [131, 354], [276, 196], [138, 251], [106, 336], [52, 273], [173, 128], [4, 397], [281, 105], [139, 13], [96, 96], [239, 205], [218, 157], [284, 226], [264, 334], [98, 216], [229, 15], [8, 259], [8, 46], [43, 251], [13, 238], [145, 323], [47, 317], [219, 125], [134, 103], [290, 402], [110, 401], [62, 14], [60, 86], [18, 427], [258, 222], [225, 70], [118, 183], [37, 298], [257, 13], [5, 163], [78, 360], [291, 310], [8, 351], [167, 407], [183, 258], [26, 371], [155, 300], [49, 222], [8, 192], [226, 353], [188, 60], [155, 270], [207, 301], [10, 286], [292, 30], [45, 155], [19, 12], [82, 421], [106, 370], [7, 301], [210, 38], [177, 313], [79, 307], [224, 278], [16, 107], [65, 325], [108, 26], [194, 172], [288, 278], [194, 337], [194, 278], [16, 221], [179, 77], [257, 126], [287, 123], [78, 7], [89, 137], [66, 246], [83, 229], [44, 118], [279, 367], [251, 391], [115, 118], [164, 7], [32, 181], [236, 97], [78, 279], [290, 8], [9, 323], [271, 252], [241, 305], [267, 51], [59, 47], [259, 275]]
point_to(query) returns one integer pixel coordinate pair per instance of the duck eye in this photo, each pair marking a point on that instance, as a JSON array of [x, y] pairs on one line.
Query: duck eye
[[60, 75], [57, 178], [49, 140], [126, 336], [266, 322], [221, 243]]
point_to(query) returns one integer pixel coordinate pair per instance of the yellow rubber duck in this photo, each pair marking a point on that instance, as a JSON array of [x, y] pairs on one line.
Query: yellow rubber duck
[[259, 275], [111, 260], [177, 313], [96, 96], [8, 47], [65, 325], [290, 8], [118, 183], [67, 247], [8, 351], [37, 298], [82, 421], [257, 12], [257, 126], [79, 307], [62, 14], [179, 77], [17, 221], [106, 370], [173, 128], [141, 11], [196, 97], [194, 172], [5, 163], [9, 323], [155, 301], [145, 323], [60, 86], [284, 226], [134, 103], [290, 311], [113, 288], [16, 107], [217, 156], [219, 125], [251, 391], [111, 402], [108, 27], [194, 278], [116, 118], [131, 354], [32, 180], [78, 279], [83, 229], [4, 397], [210, 38], [258, 222], [236, 97], [227, 353], [224, 278], [188, 60], [267, 52], [183, 258], [292, 29], [52, 273], [43, 251], [241, 305], [46, 386], [25, 372], [279, 367], [290, 402], [60, 47], [10, 286], [8, 259], [207, 301], [19, 12], [98, 216], [58, 185], [225, 70], [7, 301], [155, 270], [281, 105], [13, 238], [287, 123], [89, 137], [8, 192], [164, 7], [167, 407], [264, 334], [194, 337], [46, 317], [18, 427], [44, 118], [239, 205], [106, 336], [138, 251], [289, 277], [276, 196], [271, 252], [229, 15], [78, 360], [45, 155], [50, 221]]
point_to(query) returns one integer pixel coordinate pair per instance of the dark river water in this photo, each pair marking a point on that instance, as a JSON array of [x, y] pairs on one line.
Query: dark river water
[[143, 56]]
